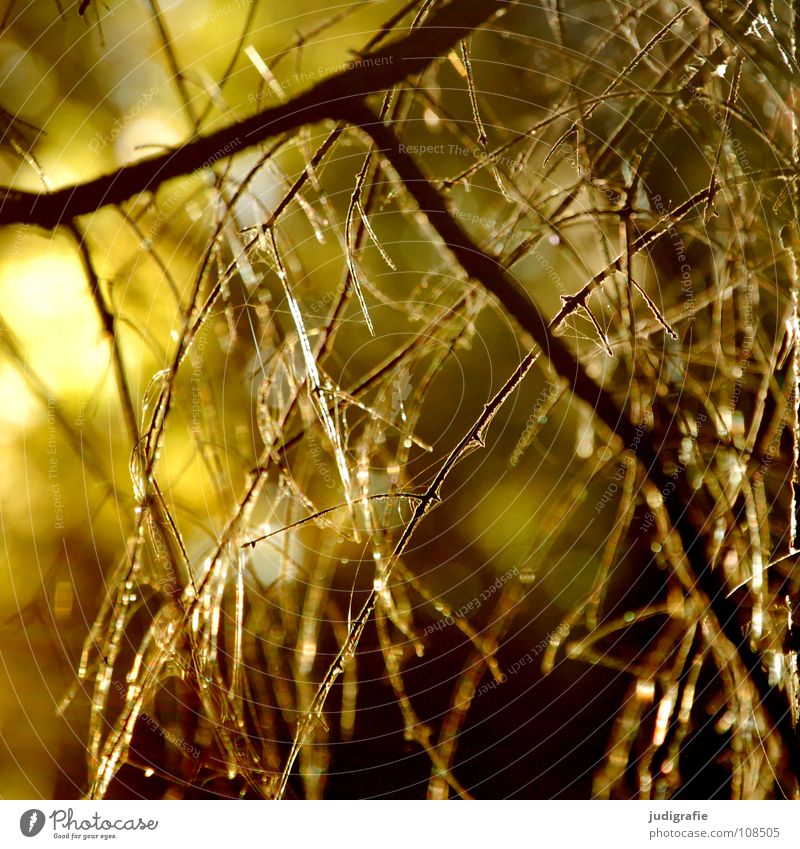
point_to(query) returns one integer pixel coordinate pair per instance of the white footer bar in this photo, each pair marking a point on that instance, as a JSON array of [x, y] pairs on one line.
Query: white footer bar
[[399, 825]]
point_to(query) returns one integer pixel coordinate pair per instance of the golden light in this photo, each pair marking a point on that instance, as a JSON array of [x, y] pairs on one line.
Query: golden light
[[44, 298]]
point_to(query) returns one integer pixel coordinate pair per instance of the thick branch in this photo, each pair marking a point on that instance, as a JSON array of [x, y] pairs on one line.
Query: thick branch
[[334, 98], [341, 97], [505, 288]]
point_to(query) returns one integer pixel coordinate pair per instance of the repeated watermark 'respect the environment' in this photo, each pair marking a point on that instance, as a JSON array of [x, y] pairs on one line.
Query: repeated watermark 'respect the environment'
[[313, 75], [53, 475]]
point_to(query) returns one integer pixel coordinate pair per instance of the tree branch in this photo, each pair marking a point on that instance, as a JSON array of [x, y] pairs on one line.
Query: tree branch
[[342, 97], [516, 302], [334, 98]]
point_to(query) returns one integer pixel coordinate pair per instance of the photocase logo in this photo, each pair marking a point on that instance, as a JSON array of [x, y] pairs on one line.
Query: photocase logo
[[31, 822], [65, 824]]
